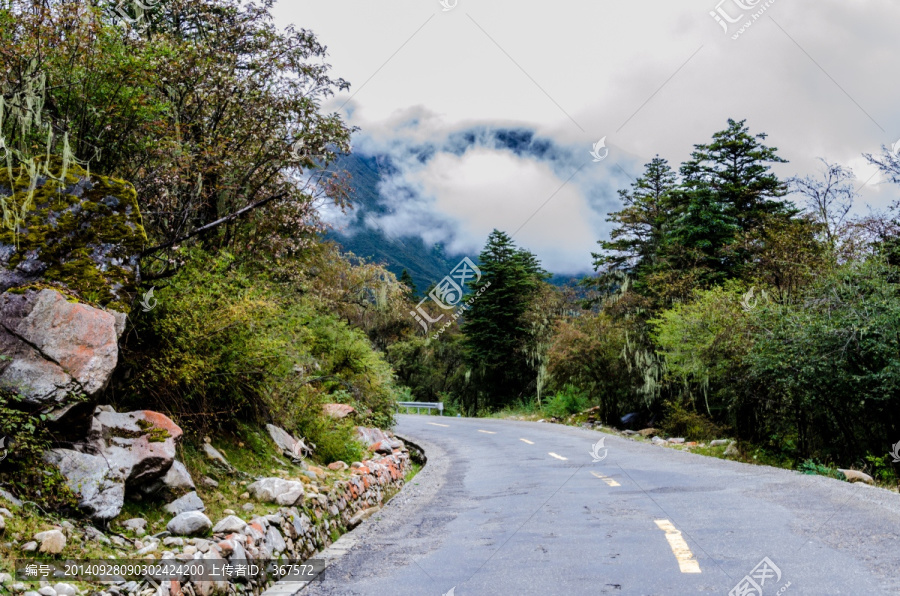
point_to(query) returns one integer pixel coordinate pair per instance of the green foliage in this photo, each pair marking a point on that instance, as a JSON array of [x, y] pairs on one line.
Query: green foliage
[[227, 342], [570, 400], [495, 326], [23, 471], [813, 468], [704, 343], [693, 426]]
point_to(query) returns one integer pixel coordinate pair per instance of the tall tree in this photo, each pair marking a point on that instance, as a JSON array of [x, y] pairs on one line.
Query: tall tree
[[496, 327], [634, 244]]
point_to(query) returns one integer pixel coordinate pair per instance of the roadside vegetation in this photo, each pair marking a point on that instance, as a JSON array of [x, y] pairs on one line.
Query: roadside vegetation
[[726, 303]]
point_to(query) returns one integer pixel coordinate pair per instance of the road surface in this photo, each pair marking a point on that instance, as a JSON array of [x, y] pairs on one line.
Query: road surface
[[508, 508]]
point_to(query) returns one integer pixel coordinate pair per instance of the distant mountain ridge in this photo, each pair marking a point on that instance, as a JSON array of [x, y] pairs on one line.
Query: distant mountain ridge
[[426, 264]]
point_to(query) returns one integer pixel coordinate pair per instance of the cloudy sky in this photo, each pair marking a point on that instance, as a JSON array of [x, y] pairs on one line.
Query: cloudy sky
[[504, 99]]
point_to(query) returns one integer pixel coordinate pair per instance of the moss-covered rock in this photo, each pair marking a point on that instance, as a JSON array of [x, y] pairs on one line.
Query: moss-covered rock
[[81, 234]]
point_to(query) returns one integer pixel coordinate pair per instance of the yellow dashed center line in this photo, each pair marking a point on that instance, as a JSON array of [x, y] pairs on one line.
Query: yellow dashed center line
[[487, 432], [527, 441], [686, 561], [551, 454], [436, 424], [608, 481]]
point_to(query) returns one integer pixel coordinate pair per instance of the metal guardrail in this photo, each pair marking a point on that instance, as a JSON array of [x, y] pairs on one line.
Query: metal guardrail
[[427, 405]]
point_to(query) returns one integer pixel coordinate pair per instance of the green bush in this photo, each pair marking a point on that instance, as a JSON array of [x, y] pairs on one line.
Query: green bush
[[570, 400], [227, 342], [22, 470], [693, 426]]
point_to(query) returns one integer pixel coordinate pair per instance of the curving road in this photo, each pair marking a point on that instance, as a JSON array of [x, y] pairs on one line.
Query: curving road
[[507, 508]]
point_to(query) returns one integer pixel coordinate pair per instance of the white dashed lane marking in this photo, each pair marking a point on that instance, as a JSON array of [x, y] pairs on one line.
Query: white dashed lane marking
[[436, 424], [487, 432], [527, 441], [605, 479], [557, 456], [686, 561]]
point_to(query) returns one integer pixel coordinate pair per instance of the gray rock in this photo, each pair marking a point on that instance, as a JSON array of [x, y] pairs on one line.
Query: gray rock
[[55, 348], [9, 498], [141, 445], [92, 533], [230, 524], [275, 541], [52, 541], [247, 506], [277, 490], [5, 578], [732, 450], [678, 441], [189, 502], [719, 442], [2, 523], [176, 482], [30, 547], [100, 490], [31, 593], [65, 589], [291, 446], [135, 524], [189, 524], [658, 441], [213, 454], [47, 591], [207, 481]]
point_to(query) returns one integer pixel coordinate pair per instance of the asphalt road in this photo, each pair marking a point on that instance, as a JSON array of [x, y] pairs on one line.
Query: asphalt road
[[508, 508]]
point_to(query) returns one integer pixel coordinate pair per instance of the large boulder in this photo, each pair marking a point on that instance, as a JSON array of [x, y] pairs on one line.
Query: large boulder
[[140, 445], [100, 489], [55, 348], [131, 449], [78, 231]]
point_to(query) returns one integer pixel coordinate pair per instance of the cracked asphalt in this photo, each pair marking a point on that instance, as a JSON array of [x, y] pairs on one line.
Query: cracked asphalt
[[493, 514]]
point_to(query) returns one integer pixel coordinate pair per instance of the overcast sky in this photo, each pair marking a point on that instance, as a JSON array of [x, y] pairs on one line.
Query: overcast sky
[[819, 76]]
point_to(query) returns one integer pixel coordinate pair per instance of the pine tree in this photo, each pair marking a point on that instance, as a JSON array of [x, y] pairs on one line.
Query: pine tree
[[407, 280], [495, 326], [634, 245]]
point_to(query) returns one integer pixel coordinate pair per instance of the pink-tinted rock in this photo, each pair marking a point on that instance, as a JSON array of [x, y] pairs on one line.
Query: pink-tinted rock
[[55, 347], [338, 410], [141, 444]]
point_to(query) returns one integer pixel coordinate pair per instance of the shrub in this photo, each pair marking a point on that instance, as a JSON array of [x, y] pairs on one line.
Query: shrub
[[570, 400], [693, 426]]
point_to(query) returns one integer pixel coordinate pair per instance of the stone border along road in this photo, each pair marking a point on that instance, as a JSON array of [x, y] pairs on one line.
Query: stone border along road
[[423, 488], [491, 514]]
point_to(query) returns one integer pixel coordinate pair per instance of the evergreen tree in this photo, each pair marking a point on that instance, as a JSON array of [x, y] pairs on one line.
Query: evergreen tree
[[635, 242], [727, 192], [407, 280], [495, 326]]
